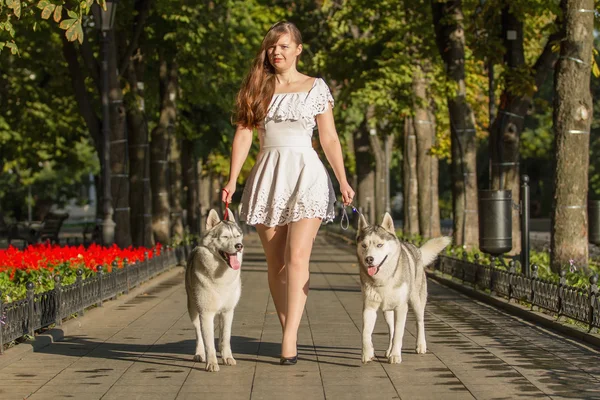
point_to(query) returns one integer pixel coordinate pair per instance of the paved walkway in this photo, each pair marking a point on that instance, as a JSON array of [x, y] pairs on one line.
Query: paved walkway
[[141, 347]]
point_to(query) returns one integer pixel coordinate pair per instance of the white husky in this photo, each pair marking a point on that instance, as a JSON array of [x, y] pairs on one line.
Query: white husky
[[214, 286], [392, 275]]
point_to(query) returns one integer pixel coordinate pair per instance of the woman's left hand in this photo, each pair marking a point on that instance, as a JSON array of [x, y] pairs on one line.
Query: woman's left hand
[[347, 193]]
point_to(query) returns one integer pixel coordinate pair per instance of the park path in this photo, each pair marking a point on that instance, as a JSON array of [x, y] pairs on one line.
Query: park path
[[140, 346]]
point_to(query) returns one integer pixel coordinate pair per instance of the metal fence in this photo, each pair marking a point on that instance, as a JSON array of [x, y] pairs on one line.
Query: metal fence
[[40, 310], [558, 298]]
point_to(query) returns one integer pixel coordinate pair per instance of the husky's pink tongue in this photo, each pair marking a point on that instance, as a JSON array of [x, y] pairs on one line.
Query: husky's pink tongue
[[233, 261], [372, 270]]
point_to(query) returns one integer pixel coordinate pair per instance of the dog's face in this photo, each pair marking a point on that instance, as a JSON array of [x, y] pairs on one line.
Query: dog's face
[[224, 238], [375, 245]]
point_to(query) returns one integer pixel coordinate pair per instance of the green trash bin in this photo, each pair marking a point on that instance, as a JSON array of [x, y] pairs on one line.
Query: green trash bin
[[495, 221]]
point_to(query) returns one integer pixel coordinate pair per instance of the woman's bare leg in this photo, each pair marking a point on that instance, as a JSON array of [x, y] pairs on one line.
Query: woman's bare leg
[[300, 238], [273, 241]]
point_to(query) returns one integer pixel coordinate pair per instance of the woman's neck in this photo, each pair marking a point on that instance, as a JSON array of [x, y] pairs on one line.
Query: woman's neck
[[287, 77]]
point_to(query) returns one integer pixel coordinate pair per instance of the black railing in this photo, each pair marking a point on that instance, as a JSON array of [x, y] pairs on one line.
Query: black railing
[[582, 305], [40, 310]]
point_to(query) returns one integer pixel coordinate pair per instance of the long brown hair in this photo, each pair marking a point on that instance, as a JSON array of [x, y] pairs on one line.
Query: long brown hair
[[259, 85]]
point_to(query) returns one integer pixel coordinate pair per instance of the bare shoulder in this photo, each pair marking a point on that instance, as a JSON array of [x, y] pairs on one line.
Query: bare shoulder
[[308, 81]]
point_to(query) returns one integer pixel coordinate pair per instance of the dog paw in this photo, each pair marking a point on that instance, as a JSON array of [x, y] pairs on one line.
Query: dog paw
[[388, 352], [212, 367], [199, 358], [421, 348], [368, 356], [229, 361], [394, 359]]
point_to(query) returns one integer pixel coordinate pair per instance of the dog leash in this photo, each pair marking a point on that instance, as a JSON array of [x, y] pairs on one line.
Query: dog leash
[[345, 216], [226, 213]]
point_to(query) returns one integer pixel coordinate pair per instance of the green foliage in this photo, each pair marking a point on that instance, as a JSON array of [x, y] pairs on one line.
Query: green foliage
[[575, 277], [15, 9], [214, 44], [44, 144], [537, 140]]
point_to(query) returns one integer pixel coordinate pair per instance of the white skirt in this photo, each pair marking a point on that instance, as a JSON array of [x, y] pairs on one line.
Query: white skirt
[[288, 183]]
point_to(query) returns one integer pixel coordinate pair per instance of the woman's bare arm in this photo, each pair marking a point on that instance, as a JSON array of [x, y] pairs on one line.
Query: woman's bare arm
[[242, 141], [330, 143]]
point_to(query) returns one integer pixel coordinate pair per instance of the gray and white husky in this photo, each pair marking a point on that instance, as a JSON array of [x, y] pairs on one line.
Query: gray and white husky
[[214, 286], [392, 275]]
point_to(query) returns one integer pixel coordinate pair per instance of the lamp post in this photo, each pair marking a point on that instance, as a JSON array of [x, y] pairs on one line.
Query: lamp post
[[104, 22]]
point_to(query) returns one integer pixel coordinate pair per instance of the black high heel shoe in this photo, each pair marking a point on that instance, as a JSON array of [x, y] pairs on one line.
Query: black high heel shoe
[[288, 361]]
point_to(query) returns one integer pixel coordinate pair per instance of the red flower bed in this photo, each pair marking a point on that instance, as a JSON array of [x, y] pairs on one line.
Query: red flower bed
[[39, 263]]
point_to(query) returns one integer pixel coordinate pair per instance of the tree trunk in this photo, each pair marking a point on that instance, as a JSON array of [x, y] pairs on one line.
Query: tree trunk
[[380, 163], [411, 182], [176, 191], [427, 164], [140, 195], [203, 193], [215, 192], [159, 150], [572, 123], [388, 147], [119, 160], [450, 37], [188, 165], [365, 175], [506, 128]]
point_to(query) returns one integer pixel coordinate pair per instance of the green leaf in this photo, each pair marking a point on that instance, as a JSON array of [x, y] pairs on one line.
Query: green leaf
[[89, 3], [72, 33], [595, 68], [47, 12], [79, 30], [8, 27], [13, 47], [67, 23], [43, 4], [57, 13], [72, 14], [17, 8]]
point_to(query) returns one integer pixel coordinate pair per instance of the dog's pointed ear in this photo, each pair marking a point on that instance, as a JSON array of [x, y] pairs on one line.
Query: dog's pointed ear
[[230, 217], [388, 223], [212, 220], [362, 222]]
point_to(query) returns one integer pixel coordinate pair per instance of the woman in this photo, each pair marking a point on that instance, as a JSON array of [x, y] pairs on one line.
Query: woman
[[288, 193]]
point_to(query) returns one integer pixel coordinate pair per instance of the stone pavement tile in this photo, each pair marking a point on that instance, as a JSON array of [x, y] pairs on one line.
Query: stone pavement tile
[[68, 391], [426, 395], [228, 376], [202, 389], [17, 391], [28, 373], [142, 392], [76, 381], [484, 390], [357, 391], [31, 382], [153, 374], [274, 392], [214, 396]]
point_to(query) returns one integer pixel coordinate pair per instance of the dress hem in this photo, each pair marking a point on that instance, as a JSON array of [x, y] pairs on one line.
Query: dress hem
[[324, 221]]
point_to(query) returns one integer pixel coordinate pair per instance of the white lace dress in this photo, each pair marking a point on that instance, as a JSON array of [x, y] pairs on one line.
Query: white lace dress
[[289, 182]]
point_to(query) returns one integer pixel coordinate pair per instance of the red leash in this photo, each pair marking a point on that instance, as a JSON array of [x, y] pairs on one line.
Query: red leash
[[226, 213]]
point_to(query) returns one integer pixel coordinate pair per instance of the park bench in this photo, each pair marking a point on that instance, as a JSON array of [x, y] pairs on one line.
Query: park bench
[[35, 232], [6, 230]]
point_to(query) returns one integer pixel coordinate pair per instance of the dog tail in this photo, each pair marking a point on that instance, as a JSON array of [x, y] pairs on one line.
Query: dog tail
[[433, 247]]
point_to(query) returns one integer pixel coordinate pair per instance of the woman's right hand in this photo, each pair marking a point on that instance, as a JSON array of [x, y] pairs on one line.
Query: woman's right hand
[[227, 192]]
